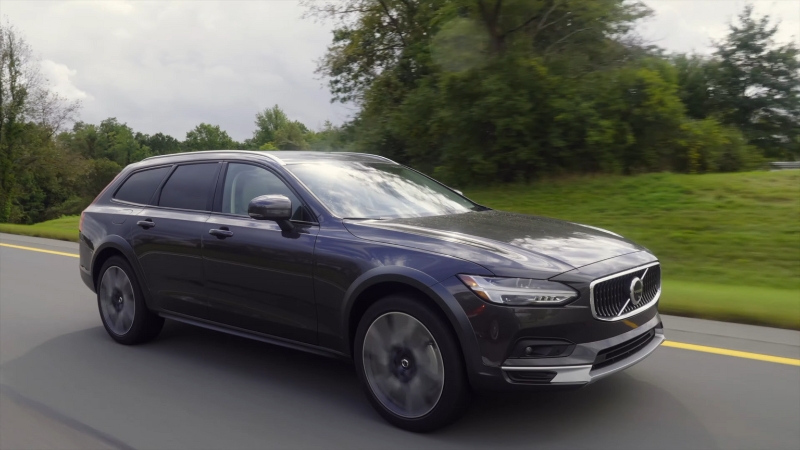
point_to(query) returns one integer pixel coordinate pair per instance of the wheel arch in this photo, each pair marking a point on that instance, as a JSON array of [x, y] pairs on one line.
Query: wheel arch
[[117, 246], [379, 282]]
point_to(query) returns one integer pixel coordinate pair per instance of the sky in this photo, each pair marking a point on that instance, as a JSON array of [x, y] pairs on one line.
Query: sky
[[169, 65]]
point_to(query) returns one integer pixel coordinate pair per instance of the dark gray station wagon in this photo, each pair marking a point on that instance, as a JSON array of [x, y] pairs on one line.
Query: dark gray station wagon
[[431, 295]]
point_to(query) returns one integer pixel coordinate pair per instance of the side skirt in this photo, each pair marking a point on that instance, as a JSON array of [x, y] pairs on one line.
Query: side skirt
[[308, 348]]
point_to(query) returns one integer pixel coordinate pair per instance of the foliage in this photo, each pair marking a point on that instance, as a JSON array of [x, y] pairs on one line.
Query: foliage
[[708, 146], [471, 91], [267, 124], [159, 143], [505, 90], [208, 137], [30, 115], [750, 83], [759, 85]]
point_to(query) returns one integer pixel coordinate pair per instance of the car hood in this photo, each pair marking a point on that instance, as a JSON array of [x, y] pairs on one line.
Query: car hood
[[507, 244]]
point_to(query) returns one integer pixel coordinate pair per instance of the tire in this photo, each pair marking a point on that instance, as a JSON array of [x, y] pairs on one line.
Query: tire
[[410, 365], [120, 300]]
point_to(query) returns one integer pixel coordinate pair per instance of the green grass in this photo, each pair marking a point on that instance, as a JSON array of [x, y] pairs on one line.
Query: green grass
[[756, 305], [729, 243], [65, 229]]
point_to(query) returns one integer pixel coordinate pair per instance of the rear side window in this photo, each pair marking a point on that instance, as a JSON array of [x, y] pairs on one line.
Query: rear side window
[[190, 187], [140, 186]]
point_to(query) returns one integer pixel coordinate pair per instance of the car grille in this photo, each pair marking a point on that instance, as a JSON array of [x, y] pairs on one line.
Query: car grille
[[610, 295], [621, 351]]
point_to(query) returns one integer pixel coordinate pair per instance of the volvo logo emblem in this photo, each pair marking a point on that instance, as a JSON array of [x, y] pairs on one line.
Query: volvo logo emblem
[[637, 291]]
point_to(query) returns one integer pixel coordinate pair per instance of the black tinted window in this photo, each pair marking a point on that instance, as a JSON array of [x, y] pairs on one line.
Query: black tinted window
[[190, 187], [140, 186]]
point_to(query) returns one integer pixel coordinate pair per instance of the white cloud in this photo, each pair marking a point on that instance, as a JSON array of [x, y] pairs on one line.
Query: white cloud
[[168, 66], [693, 25], [59, 77]]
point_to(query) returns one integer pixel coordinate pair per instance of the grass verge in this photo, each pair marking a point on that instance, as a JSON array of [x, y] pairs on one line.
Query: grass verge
[[754, 305], [64, 229], [729, 243]]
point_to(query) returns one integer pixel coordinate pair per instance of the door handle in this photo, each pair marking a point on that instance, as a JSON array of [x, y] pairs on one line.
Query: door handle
[[222, 233], [147, 223]]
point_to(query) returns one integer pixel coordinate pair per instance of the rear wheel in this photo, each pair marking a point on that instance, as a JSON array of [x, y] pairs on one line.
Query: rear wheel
[[410, 364], [122, 307]]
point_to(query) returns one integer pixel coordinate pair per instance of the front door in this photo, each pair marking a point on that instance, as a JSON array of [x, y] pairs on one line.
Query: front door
[[167, 238], [259, 277]]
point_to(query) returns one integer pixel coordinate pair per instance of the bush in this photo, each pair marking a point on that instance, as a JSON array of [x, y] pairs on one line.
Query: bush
[[708, 146]]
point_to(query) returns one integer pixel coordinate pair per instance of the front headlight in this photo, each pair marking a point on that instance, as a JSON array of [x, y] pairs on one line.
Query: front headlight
[[519, 291]]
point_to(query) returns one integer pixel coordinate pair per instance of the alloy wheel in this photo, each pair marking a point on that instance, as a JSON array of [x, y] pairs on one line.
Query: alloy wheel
[[117, 302], [403, 365]]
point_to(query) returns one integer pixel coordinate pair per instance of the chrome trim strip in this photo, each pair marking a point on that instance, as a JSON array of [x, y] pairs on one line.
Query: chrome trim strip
[[564, 374], [647, 306], [583, 374]]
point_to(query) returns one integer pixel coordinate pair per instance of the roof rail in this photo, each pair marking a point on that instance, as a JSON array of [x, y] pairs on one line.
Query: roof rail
[[253, 152], [368, 154]]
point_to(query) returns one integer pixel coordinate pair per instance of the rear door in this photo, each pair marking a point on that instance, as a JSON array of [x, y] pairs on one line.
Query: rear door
[[167, 237], [259, 277]]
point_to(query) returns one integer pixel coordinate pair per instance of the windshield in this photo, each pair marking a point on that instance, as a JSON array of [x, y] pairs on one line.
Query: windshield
[[378, 190]]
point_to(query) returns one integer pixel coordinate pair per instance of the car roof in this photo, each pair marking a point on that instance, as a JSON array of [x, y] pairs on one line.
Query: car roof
[[282, 157]]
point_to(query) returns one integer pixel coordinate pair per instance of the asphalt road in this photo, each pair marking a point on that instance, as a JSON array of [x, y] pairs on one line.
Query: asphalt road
[[65, 384]]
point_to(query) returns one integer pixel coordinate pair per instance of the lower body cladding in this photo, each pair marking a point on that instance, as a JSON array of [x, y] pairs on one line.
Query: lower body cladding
[[515, 348]]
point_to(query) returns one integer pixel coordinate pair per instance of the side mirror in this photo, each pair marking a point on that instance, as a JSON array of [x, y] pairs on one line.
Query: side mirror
[[272, 207]]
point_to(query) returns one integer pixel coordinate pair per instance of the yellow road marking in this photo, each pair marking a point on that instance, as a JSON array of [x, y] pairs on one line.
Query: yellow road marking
[[673, 344], [734, 353], [52, 252]]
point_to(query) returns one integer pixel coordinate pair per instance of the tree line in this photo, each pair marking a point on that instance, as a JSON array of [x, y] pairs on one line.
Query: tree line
[[470, 91], [509, 90]]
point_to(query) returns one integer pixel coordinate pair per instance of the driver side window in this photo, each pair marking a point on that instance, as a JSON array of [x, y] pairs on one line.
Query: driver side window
[[244, 182]]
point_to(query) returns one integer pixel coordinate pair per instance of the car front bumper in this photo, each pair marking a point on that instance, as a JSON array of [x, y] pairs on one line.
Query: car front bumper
[[588, 373], [491, 336]]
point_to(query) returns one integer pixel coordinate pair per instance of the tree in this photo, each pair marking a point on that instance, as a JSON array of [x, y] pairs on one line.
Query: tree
[[400, 40], [25, 99], [267, 124], [478, 90], [758, 84], [331, 137], [208, 137], [291, 136], [159, 143], [696, 77], [110, 140]]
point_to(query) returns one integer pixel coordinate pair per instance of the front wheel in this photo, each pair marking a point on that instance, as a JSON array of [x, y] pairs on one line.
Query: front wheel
[[410, 364]]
